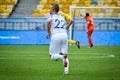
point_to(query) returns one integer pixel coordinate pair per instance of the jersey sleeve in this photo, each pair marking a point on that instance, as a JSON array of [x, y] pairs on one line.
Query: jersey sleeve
[[87, 20], [49, 17]]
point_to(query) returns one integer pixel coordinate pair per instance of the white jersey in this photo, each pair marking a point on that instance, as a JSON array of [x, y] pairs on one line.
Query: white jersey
[[58, 24]]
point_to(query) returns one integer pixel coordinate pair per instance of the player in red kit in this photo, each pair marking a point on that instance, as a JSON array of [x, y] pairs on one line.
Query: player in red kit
[[90, 28]]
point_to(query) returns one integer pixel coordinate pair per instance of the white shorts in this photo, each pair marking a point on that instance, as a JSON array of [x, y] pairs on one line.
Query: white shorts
[[59, 44]]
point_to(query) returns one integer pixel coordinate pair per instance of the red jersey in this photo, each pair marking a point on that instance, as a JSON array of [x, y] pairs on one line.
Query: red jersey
[[89, 21]]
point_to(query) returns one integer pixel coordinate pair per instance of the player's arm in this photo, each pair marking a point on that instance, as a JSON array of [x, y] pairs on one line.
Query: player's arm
[[88, 22], [48, 28], [69, 21]]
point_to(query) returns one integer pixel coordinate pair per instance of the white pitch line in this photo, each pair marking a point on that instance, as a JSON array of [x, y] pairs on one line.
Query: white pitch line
[[98, 56], [11, 58], [40, 58], [18, 52], [28, 56], [25, 52]]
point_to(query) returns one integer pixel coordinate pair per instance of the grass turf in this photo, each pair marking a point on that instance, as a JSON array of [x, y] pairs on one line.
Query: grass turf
[[30, 62]]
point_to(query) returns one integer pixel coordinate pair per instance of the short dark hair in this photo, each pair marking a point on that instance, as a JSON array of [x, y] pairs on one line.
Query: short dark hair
[[56, 7], [87, 14]]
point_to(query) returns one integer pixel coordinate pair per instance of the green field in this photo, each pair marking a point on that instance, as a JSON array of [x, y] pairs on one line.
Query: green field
[[30, 62]]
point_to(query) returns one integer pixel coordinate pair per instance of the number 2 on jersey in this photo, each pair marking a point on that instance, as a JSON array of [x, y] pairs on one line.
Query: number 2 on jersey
[[58, 24]]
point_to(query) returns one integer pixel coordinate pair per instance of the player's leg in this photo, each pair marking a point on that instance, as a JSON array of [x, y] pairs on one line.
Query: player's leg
[[66, 65], [56, 56], [89, 37], [54, 49], [64, 51], [74, 42], [71, 41]]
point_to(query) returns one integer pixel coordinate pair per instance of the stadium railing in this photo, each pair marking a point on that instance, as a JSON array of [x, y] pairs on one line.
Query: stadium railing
[[33, 31], [40, 24]]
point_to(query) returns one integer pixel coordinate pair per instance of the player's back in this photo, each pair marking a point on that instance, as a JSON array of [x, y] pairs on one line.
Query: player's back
[[89, 21], [58, 24]]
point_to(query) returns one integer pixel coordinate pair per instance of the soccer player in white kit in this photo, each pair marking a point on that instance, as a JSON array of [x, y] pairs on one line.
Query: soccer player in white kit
[[56, 27]]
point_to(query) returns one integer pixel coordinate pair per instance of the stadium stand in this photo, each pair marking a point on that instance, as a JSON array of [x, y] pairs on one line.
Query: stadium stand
[[6, 7], [41, 9], [24, 8]]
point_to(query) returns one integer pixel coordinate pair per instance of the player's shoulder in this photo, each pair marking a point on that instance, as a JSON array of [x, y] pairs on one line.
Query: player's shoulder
[[50, 15], [67, 15], [61, 13], [91, 17]]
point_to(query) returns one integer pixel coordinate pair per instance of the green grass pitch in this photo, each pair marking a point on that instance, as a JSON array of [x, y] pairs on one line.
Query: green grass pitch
[[32, 62]]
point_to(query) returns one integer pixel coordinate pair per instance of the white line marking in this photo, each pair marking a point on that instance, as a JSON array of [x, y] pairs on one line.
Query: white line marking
[[34, 56], [47, 52], [40, 58], [11, 58], [22, 52]]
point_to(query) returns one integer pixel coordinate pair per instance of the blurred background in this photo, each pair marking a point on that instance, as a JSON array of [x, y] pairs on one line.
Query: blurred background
[[24, 21]]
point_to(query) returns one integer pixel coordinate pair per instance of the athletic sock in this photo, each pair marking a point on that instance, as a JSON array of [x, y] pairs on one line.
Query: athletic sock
[[66, 65], [71, 41]]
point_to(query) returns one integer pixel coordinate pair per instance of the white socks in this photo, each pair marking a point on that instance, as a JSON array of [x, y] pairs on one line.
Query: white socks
[[65, 62], [66, 65]]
